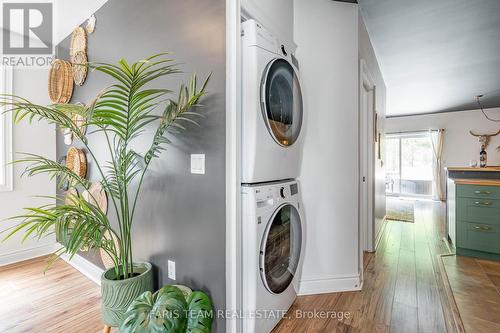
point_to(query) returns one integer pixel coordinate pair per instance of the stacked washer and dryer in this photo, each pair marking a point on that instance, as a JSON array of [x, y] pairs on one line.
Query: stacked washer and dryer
[[272, 219]]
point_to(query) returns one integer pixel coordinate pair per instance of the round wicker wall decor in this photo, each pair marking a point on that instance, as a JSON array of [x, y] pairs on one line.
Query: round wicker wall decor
[[60, 81], [78, 42], [76, 161], [79, 62]]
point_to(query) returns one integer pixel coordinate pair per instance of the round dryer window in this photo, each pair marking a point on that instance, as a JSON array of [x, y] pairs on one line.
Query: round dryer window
[[280, 251], [282, 102]]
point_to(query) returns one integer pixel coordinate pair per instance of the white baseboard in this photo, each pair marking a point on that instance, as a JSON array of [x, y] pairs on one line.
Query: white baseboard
[[90, 270], [330, 285], [26, 254]]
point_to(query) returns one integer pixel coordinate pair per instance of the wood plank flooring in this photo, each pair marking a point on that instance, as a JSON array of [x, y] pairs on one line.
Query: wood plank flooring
[[401, 291], [475, 287], [62, 300]]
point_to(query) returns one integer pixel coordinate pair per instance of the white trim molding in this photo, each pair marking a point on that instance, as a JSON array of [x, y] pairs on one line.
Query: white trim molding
[[233, 163], [331, 284], [90, 270], [6, 170], [26, 254]]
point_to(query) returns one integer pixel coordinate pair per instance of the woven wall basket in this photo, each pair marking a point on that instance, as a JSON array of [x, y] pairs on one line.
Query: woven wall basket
[[97, 196], [79, 62], [78, 42], [76, 161], [60, 81]]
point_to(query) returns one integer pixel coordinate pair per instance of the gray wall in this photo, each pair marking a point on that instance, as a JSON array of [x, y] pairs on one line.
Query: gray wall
[[180, 216]]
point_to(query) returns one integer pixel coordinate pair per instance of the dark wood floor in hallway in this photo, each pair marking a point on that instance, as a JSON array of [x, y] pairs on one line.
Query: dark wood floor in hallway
[[401, 291]]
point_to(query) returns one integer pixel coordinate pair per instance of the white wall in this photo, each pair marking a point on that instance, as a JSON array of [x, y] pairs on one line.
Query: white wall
[[38, 138], [459, 146], [275, 15], [70, 13], [367, 53], [326, 33]]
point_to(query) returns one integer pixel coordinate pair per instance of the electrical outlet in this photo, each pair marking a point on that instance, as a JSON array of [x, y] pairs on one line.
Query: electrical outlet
[[171, 270]]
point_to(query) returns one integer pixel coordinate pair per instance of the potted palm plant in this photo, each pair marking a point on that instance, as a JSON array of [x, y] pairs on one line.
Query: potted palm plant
[[121, 113]]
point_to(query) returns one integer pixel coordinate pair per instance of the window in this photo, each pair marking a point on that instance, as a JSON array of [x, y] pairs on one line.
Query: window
[[409, 164], [6, 183]]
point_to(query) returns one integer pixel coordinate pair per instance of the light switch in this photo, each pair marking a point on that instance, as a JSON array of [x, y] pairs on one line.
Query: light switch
[[198, 164]]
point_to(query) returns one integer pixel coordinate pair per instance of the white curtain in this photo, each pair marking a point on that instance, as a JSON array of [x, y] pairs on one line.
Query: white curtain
[[437, 141]]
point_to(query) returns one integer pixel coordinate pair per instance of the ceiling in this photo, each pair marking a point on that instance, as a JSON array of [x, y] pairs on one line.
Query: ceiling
[[436, 55]]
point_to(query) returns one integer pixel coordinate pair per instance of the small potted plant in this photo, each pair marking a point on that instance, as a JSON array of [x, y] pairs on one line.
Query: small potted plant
[[120, 113]]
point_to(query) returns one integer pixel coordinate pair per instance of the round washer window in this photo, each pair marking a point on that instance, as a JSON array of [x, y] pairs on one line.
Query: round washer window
[[282, 102], [280, 250]]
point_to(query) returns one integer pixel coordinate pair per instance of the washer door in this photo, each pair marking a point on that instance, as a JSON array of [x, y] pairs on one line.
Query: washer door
[[282, 102], [280, 249]]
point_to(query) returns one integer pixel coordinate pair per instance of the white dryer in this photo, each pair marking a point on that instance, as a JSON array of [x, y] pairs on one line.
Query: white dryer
[[272, 108], [272, 244]]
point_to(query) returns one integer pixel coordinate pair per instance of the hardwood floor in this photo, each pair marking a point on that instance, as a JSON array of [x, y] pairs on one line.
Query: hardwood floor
[[62, 300], [401, 291], [475, 287]]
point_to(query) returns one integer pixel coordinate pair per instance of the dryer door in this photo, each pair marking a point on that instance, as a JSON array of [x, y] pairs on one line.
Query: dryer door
[[280, 249], [281, 99]]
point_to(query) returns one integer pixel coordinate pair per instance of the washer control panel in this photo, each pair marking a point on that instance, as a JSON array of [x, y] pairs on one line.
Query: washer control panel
[[272, 195]]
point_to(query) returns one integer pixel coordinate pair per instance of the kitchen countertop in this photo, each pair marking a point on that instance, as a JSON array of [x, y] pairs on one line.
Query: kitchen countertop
[[470, 169], [484, 182]]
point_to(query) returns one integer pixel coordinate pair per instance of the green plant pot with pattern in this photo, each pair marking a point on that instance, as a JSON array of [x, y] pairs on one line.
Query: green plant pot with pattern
[[118, 294]]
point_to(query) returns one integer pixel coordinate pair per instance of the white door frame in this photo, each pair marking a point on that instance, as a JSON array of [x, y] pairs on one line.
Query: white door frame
[[367, 109], [233, 163]]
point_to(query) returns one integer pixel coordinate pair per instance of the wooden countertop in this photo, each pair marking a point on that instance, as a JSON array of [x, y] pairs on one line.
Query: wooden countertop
[[487, 169], [484, 182]]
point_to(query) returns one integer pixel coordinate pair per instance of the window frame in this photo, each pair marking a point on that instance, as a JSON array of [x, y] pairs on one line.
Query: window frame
[[6, 148]]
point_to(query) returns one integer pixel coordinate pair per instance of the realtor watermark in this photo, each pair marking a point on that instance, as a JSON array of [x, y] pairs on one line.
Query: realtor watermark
[[27, 33]]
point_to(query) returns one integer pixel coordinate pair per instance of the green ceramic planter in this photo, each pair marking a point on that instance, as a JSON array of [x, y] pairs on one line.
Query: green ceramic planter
[[118, 294]]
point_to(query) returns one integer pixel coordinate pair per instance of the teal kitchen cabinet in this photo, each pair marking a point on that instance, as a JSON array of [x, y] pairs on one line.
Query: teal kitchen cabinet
[[474, 219]]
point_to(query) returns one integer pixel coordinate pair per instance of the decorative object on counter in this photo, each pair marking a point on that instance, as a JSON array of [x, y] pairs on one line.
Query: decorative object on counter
[[483, 158], [121, 113], [90, 26], [76, 161], [473, 163], [79, 62], [97, 196], [78, 42], [60, 81], [172, 309]]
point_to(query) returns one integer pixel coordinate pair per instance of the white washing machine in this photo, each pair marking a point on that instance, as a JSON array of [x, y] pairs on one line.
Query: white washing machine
[[272, 245], [272, 108]]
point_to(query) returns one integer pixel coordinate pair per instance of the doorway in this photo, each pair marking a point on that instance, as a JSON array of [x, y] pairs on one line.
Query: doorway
[[367, 93], [409, 165]]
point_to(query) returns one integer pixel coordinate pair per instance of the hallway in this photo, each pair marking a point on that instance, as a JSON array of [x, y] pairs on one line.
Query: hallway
[[401, 291]]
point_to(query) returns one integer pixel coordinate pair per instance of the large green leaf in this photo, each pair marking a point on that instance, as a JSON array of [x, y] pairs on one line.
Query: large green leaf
[[162, 312], [200, 314]]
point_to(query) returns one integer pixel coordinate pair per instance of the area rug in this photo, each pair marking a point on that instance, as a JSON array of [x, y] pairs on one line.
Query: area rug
[[400, 210]]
